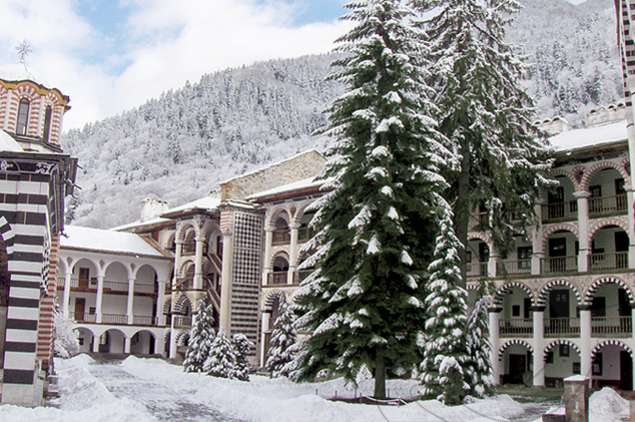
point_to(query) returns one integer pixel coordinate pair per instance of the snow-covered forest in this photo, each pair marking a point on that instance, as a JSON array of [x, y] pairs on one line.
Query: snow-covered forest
[[181, 145]]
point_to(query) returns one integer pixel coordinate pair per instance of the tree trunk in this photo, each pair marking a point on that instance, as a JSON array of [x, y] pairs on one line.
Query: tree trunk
[[380, 376], [462, 207]]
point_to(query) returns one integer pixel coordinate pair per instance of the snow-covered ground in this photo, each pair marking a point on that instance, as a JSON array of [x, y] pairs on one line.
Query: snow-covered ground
[[150, 390]]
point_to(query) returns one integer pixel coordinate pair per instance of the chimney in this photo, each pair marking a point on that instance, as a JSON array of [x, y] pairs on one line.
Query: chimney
[[604, 115], [554, 125], [153, 206]]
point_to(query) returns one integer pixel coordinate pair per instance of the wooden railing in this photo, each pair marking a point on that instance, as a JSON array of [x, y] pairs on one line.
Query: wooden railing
[[559, 265], [114, 319], [181, 321], [477, 269], [560, 211], [516, 327], [188, 248], [277, 278], [144, 320], [608, 261], [119, 286], [562, 327], [521, 266], [86, 317], [607, 205], [281, 237], [621, 326]]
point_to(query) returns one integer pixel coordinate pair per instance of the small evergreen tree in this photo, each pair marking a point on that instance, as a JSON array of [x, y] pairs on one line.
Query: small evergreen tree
[[282, 338], [200, 339], [479, 374], [444, 347], [242, 345], [222, 358]]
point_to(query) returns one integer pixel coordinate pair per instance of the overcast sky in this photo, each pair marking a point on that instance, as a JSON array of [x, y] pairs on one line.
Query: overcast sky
[[111, 55]]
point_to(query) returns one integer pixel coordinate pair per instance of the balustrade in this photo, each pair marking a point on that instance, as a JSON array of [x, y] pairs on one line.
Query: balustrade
[[603, 206], [519, 267], [620, 326], [559, 264], [281, 237], [516, 327], [562, 327], [144, 320], [182, 321], [608, 261], [277, 278], [114, 319], [560, 211]]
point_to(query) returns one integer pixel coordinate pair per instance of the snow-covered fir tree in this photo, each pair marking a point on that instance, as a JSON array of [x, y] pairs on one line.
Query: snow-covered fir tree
[[200, 339], [486, 115], [222, 358], [283, 337], [479, 374], [375, 225], [66, 341], [444, 343], [242, 345]]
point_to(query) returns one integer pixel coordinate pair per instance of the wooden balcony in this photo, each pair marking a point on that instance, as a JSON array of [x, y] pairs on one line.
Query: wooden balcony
[[114, 319], [281, 237], [559, 265], [604, 206], [513, 268], [620, 326], [277, 278], [144, 320], [181, 321], [560, 211], [477, 269], [516, 327], [562, 327], [608, 261]]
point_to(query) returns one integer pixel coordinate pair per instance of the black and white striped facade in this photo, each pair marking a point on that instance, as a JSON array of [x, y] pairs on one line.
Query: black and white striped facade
[[32, 189]]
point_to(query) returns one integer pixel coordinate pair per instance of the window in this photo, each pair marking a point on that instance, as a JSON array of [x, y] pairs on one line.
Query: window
[[23, 116], [576, 368], [549, 357], [524, 257], [515, 310], [91, 311], [596, 365], [47, 124], [564, 351]]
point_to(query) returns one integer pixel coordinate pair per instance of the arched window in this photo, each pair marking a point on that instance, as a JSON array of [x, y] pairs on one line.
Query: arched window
[[48, 113], [23, 116]]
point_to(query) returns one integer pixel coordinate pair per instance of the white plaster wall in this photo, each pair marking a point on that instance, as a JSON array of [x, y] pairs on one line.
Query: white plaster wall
[[562, 366], [610, 363], [606, 179], [516, 297]]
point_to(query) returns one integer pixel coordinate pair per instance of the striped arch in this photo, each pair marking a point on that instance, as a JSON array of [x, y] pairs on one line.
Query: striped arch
[[558, 342], [271, 298], [552, 228], [605, 222], [620, 165], [285, 212], [482, 237], [611, 342], [588, 297], [543, 296], [568, 173], [513, 342], [507, 287], [181, 305]]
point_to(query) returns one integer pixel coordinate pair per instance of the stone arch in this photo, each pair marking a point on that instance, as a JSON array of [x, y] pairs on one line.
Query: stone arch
[[513, 342], [542, 297], [605, 222], [182, 228], [137, 269], [182, 304], [568, 173], [611, 342], [620, 165], [552, 228], [482, 237], [558, 342], [125, 265], [137, 335], [281, 211], [505, 288], [588, 296]]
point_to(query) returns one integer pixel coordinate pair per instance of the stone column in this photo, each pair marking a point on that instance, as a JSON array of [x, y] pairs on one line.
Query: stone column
[[265, 326], [494, 339], [160, 302], [100, 296], [583, 230], [130, 309], [492, 263], [67, 294], [293, 253], [267, 268], [96, 341], [178, 251], [538, 340], [172, 354], [198, 262], [537, 246], [126, 345], [585, 341], [226, 281], [158, 342]]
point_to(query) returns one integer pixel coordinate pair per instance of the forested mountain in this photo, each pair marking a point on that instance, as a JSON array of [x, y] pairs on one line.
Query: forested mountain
[[182, 144]]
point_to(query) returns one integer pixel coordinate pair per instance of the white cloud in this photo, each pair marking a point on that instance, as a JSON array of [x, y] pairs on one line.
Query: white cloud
[[168, 42]]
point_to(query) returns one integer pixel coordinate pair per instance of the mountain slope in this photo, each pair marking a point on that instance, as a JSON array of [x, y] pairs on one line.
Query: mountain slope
[[182, 144]]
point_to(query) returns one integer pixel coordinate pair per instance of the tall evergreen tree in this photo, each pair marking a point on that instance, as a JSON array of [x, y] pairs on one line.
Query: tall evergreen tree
[[222, 358], [487, 116], [445, 354], [479, 374], [283, 337], [200, 340], [374, 226], [241, 347]]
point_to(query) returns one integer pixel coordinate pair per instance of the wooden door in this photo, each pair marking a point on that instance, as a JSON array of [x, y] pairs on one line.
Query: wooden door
[[517, 368], [626, 371], [84, 277], [559, 304], [80, 308], [555, 201]]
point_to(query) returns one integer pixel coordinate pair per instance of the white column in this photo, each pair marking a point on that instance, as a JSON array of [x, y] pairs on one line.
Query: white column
[[160, 302], [265, 327], [631, 230], [96, 340], [633, 327], [130, 309], [267, 261], [492, 263], [126, 345], [538, 340], [172, 354], [100, 296], [158, 342], [226, 282], [293, 253], [585, 341], [198, 263], [537, 245], [67, 294], [583, 230], [178, 251], [494, 336]]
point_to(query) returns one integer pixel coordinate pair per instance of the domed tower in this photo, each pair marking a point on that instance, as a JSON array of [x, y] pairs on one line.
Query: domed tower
[[32, 114]]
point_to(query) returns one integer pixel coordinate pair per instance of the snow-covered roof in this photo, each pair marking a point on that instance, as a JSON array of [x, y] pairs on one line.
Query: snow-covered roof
[[210, 203], [140, 223], [589, 136], [290, 187], [107, 241], [7, 143]]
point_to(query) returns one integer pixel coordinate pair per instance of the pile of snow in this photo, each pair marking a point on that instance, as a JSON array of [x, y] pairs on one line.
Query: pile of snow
[[607, 406], [264, 400]]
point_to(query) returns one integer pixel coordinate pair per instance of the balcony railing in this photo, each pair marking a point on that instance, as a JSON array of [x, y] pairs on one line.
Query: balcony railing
[[188, 248], [516, 327], [607, 205], [560, 211], [562, 327], [281, 237], [114, 319], [85, 318], [477, 269], [559, 265], [608, 261], [277, 278], [621, 326], [181, 321], [519, 267], [144, 320], [119, 286]]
